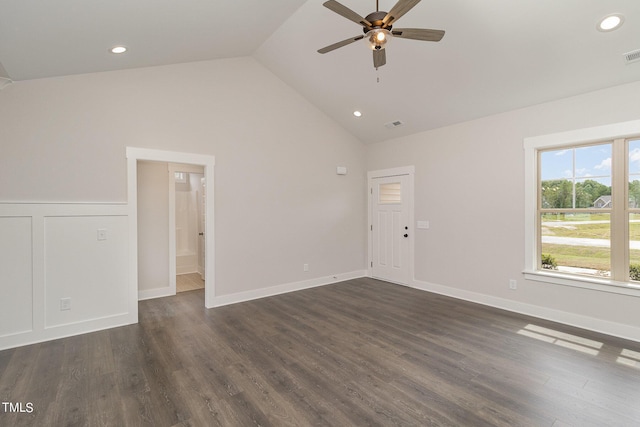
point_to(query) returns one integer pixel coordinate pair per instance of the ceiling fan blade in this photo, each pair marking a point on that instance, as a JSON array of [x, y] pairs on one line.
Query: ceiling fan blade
[[379, 57], [418, 34], [400, 8], [4, 78], [339, 44], [347, 13], [3, 72]]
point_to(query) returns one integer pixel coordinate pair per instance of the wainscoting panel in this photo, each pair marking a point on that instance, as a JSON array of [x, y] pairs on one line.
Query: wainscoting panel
[[16, 282], [86, 267], [64, 270]]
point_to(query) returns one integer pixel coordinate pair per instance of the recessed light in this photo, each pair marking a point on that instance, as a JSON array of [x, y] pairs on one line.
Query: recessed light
[[118, 49], [610, 22], [357, 113]]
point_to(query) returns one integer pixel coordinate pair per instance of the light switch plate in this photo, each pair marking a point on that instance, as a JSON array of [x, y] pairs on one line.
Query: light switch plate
[[423, 225], [102, 234]]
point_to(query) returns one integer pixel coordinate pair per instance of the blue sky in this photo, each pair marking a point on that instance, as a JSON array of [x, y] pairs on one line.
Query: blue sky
[[592, 162]]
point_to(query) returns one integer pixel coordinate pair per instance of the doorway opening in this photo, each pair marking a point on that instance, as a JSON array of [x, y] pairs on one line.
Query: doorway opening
[[204, 165], [187, 188]]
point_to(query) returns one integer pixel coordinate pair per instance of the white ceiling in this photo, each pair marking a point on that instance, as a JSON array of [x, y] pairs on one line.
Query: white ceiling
[[497, 55]]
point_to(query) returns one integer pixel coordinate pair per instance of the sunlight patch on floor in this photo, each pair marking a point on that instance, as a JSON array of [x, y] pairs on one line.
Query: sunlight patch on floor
[[629, 358], [562, 339]]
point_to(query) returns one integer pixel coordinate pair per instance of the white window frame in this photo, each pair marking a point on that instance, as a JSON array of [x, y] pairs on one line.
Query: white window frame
[[558, 140]]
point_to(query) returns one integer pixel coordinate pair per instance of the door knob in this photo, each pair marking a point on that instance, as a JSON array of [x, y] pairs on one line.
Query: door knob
[[406, 235]]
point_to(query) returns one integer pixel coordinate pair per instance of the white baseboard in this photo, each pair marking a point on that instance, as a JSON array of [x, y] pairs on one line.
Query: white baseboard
[[285, 288], [68, 330], [585, 322], [155, 293], [186, 269]]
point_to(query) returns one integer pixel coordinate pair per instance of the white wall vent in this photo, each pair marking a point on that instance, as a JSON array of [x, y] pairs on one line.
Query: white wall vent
[[394, 124], [633, 56]]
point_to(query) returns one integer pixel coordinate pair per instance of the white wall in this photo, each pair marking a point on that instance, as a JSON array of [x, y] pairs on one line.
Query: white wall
[[153, 228], [469, 184], [278, 201]]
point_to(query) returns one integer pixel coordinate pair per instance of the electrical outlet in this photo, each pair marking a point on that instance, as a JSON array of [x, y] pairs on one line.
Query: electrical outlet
[[102, 234], [65, 304], [513, 284], [305, 267]]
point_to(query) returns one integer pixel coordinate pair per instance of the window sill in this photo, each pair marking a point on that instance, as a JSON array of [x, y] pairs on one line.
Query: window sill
[[601, 285]]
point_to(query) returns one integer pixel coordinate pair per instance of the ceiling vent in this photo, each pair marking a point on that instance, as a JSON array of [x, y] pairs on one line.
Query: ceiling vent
[[633, 56], [394, 124]]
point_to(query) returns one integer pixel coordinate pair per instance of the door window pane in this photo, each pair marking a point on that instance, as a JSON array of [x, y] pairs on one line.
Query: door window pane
[[390, 193]]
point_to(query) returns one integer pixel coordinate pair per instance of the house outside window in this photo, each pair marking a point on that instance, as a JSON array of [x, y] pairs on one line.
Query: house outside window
[[583, 207]]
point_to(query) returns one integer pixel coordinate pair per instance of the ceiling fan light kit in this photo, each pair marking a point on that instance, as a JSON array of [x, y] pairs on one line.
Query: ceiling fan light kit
[[378, 30], [377, 39]]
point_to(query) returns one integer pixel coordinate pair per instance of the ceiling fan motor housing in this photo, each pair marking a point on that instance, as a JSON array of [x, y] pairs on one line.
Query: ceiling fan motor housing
[[375, 18]]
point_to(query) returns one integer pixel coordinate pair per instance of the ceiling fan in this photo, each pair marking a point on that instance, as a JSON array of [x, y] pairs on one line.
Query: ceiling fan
[[377, 28]]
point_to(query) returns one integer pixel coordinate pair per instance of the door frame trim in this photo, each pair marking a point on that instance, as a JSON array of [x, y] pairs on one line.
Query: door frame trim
[[385, 173], [134, 154]]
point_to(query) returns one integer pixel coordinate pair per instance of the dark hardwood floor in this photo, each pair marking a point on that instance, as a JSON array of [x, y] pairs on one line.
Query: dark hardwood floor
[[357, 353]]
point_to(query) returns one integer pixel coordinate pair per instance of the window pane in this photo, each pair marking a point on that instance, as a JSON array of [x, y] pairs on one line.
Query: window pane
[[556, 164], [634, 203], [634, 157], [180, 177], [594, 160], [634, 174], [577, 243], [634, 246], [577, 178], [556, 194], [593, 193], [390, 193]]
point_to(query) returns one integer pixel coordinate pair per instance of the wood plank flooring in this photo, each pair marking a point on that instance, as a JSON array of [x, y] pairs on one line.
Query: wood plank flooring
[[357, 353]]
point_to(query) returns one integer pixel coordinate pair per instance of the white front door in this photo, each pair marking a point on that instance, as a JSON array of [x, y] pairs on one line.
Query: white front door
[[390, 228]]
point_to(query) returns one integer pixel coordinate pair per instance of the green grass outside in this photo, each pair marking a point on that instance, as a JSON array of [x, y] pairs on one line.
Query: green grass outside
[[579, 256], [589, 231], [584, 256]]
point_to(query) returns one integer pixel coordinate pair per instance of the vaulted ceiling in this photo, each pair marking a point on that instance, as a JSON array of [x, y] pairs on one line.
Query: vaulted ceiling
[[496, 55]]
